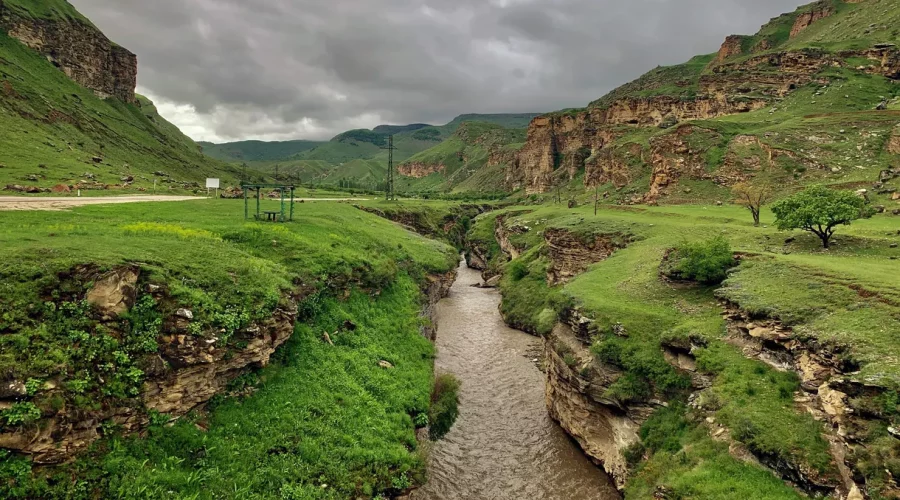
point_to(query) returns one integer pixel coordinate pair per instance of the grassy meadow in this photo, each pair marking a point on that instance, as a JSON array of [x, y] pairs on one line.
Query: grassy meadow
[[321, 421]]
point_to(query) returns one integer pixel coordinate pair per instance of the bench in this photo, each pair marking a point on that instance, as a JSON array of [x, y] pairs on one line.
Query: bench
[[272, 216]]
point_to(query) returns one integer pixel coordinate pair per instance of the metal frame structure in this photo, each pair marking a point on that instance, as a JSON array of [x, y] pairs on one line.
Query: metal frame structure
[[389, 183], [281, 188]]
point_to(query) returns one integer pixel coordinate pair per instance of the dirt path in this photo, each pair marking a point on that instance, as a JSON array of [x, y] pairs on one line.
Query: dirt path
[[62, 203]]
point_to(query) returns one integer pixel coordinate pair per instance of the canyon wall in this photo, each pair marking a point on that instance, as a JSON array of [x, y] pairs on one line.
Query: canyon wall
[[78, 49], [185, 372], [560, 145]]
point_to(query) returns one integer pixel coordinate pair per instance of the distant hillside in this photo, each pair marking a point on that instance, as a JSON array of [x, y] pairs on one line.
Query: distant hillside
[[90, 131], [357, 158], [256, 150]]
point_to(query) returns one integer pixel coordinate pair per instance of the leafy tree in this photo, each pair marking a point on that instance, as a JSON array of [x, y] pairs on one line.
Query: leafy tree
[[753, 196], [820, 210]]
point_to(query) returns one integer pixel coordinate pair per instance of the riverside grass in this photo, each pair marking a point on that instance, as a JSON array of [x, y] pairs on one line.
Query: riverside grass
[[324, 422], [814, 290]]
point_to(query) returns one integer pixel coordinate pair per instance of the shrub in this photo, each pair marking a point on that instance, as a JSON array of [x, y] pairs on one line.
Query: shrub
[[707, 262], [444, 405], [517, 270]]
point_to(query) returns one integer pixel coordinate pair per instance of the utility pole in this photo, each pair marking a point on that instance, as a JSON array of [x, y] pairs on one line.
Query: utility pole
[[389, 188], [276, 172]]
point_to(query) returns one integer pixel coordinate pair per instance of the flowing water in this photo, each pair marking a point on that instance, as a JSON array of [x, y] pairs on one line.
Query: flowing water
[[504, 445]]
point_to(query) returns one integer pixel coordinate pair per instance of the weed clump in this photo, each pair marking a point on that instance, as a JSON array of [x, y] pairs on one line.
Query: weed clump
[[444, 405]]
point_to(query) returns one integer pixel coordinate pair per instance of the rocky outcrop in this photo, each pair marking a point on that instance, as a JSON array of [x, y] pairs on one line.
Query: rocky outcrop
[[418, 170], [893, 145], [562, 145], [830, 393], [80, 50], [733, 46], [576, 383], [571, 254], [436, 288], [806, 19]]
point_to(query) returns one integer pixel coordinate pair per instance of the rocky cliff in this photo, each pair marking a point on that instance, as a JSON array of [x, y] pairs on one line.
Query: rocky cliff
[[747, 74], [78, 49]]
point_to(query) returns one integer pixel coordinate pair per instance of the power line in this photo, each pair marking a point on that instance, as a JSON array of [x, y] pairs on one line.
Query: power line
[[389, 188]]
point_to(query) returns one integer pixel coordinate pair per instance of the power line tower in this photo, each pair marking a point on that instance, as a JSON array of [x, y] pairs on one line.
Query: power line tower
[[389, 188]]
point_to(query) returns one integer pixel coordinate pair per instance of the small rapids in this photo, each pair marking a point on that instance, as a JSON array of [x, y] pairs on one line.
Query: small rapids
[[504, 445]]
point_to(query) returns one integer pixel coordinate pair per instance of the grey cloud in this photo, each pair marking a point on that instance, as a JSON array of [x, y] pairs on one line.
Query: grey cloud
[[238, 69]]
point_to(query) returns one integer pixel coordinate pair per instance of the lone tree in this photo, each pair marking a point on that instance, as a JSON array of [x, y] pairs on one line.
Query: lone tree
[[820, 210], [753, 196]]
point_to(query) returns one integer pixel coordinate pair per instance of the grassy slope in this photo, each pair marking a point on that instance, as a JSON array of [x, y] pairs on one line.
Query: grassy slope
[[45, 9], [754, 398], [215, 262], [464, 157], [52, 128], [256, 150]]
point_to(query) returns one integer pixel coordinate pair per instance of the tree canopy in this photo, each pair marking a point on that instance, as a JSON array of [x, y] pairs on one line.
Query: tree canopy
[[820, 210]]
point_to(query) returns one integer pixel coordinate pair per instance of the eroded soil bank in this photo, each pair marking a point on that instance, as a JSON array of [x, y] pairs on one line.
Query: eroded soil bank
[[504, 444]]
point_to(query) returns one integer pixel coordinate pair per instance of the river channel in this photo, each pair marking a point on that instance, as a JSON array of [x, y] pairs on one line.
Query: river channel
[[504, 445]]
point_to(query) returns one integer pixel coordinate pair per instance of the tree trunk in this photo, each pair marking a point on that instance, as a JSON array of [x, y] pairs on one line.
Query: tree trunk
[[755, 217]]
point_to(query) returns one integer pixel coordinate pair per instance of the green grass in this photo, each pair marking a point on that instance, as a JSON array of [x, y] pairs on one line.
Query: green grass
[[56, 10]]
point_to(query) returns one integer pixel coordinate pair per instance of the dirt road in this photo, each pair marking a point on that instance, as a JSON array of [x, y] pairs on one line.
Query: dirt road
[[62, 203]]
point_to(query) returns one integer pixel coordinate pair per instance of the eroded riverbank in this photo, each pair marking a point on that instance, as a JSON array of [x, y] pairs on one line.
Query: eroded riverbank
[[504, 444]]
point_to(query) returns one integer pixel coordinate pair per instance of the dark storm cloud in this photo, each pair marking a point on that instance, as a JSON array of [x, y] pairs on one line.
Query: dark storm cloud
[[278, 69]]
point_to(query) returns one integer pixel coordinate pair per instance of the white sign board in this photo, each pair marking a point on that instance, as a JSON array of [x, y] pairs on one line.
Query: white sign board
[[212, 183]]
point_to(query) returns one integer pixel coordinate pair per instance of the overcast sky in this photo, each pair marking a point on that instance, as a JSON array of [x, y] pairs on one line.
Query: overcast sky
[[225, 70]]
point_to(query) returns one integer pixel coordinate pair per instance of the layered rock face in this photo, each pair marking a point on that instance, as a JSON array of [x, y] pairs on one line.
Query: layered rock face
[[565, 144], [576, 383], [570, 255], [81, 51], [806, 19], [418, 170]]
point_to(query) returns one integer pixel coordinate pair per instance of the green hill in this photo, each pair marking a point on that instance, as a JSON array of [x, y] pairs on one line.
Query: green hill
[[256, 150], [57, 132]]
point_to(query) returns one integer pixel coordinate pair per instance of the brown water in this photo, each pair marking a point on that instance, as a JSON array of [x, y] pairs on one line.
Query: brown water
[[504, 445]]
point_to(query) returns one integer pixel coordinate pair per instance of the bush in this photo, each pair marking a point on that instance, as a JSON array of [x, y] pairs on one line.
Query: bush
[[517, 270], [707, 262], [444, 405]]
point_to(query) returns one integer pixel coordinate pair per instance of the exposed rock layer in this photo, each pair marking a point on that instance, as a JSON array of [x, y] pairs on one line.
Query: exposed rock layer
[[81, 51], [418, 170], [570, 255]]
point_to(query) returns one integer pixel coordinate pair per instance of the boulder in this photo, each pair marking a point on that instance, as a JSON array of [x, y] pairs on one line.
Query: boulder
[[114, 292], [15, 187], [232, 193], [12, 389], [184, 313], [895, 196], [127, 178], [61, 188], [385, 364], [493, 282]]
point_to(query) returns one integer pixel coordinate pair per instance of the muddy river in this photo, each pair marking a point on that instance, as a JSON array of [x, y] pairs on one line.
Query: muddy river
[[504, 445]]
